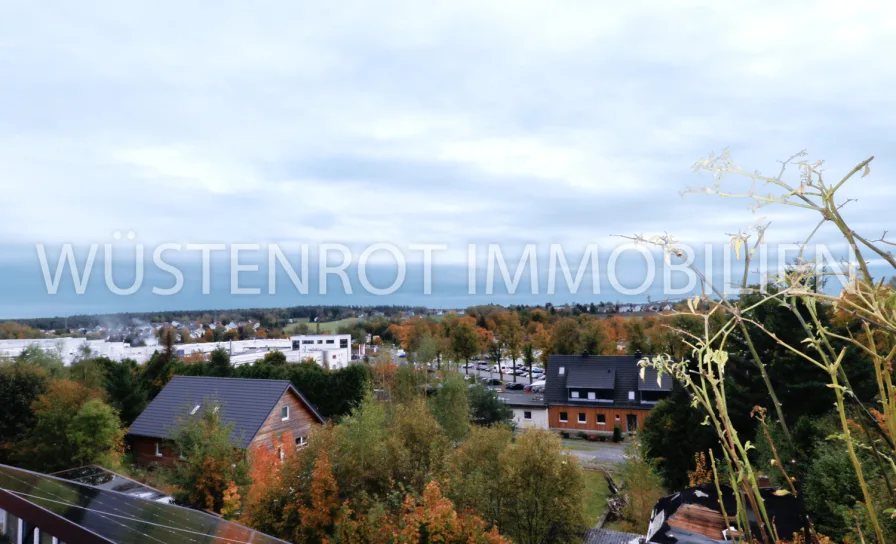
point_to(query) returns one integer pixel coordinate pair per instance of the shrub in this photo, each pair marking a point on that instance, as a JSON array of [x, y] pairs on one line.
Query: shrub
[[617, 433], [583, 435]]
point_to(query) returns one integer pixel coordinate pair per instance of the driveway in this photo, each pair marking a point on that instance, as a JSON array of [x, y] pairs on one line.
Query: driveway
[[597, 452]]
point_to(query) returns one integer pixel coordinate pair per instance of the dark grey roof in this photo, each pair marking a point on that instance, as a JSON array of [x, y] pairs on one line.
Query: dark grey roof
[[109, 516], [624, 368], [649, 382], [245, 403], [597, 376], [604, 536], [512, 398]]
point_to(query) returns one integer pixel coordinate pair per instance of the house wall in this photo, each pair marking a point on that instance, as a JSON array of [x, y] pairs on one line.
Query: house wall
[[145, 451], [300, 422], [610, 414], [539, 417]]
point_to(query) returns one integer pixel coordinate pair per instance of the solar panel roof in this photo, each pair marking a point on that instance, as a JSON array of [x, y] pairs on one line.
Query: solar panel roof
[[122, 518]]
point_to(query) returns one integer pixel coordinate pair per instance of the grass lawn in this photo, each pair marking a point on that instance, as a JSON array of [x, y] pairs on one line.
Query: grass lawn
[[596, 493], [328, 327]]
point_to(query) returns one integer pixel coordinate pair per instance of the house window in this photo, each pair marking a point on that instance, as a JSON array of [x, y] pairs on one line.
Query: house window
[[591, 395], [331, 341], [617, 418], [158, 450], [527, 416], [320, 341], [583, 418], [301, 441], [307, 342], [601, 419], [343, 343], [195, 409], [561, 371], [631, 395], [574, 394], [284, 413], [280, 453], [563, 417]]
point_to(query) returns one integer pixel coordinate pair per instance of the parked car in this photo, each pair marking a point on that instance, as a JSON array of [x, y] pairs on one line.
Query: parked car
[[537, 369], [493, 381], [536, 387], [514, 387], [468, 365]]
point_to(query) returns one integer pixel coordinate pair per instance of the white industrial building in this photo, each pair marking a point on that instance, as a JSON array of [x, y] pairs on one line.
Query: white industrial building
[[328, 350]]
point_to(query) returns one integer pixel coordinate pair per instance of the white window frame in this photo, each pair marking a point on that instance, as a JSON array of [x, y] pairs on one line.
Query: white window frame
[[617, 417], [286, 417], [301, 442], [195, 409], [631, 395], [561, 371], [583, 418], [158, 450], [564, 419], [592, 395], [599, 422], [3, 519], [573, 394]]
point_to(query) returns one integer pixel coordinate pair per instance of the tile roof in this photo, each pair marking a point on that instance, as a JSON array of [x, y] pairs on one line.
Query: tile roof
[[245, 403], [649, 382], [591, 377], [604, 536], [588, 369]]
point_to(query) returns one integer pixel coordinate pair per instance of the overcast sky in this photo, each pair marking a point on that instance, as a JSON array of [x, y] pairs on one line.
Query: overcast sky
[[448, 122]]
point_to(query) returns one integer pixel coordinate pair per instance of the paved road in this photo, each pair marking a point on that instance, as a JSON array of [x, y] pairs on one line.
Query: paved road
[[599, 452]]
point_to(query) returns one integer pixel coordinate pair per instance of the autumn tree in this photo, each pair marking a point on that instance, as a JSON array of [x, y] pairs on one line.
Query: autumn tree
[[210, 461], [72, 427]]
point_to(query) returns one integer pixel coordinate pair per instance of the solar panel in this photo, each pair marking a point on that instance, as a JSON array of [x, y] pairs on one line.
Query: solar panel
[[123, 518]]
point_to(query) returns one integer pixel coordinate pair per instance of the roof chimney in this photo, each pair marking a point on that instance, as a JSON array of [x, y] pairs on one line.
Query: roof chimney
[[638, 354], [585, 353]]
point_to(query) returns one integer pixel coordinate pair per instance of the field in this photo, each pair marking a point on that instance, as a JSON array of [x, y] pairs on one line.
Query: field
[[596, 493], [328, 327]]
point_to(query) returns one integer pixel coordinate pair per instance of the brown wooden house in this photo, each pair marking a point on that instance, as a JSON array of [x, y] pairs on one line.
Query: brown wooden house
[[259, 411], [593, 394]]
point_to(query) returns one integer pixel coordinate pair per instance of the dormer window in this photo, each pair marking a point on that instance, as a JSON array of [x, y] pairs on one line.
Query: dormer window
[[194, 410], [574, 394], [591, 395]]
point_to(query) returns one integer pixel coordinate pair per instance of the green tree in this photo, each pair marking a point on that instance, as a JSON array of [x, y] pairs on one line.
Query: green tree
[[20, 386], [475, 470], [451, 407], [68, 432], [673, 457], [219, 364], [273, 358], [511, 335], [465, 340], [642, 486], [565, 337], [486, 408], [125, 391], [496, 353], [51, 361], [529, 357], [95, 435], [543, 491], [427, 349], [210, 462]]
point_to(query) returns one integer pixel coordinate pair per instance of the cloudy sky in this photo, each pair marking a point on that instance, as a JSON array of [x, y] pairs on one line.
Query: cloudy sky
[[421, 122]]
